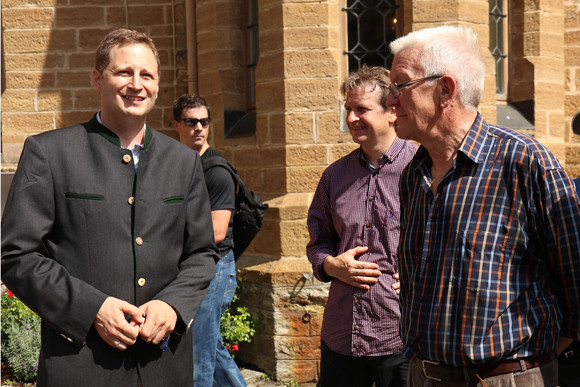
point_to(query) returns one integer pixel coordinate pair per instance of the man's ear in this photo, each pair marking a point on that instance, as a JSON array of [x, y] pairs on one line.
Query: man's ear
[[97, 80], [392, 114], [448, 91]]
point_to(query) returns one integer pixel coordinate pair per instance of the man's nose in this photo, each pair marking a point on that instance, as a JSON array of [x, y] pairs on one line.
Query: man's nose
[[135, 82], [351, 116], [392, 100]]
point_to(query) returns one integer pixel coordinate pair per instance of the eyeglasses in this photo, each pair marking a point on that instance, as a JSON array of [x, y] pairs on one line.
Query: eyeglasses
[[395, 88], [193, 121]]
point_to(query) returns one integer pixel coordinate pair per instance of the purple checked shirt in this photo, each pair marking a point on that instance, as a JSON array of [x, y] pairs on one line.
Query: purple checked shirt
[[355, 205]]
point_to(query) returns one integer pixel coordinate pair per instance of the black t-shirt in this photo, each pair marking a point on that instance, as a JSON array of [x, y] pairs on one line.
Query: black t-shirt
[[222, 195]]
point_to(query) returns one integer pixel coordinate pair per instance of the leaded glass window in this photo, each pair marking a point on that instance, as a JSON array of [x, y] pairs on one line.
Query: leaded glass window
[[371, 27], [497, 46]]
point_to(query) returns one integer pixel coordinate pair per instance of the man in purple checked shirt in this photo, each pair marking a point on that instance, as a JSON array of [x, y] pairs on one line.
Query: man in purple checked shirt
[[354, 233]]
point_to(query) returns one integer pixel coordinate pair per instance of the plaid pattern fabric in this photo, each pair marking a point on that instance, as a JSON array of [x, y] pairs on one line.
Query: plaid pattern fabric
[[355, 205], [491, 262]]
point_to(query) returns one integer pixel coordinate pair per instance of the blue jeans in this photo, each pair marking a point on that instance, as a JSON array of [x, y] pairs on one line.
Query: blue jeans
[[212, 363]]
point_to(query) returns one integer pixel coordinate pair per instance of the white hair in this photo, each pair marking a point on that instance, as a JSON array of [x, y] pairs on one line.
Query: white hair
[[449, 50]]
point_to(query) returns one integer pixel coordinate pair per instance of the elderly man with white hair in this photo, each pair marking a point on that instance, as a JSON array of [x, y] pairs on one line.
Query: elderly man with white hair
[[490, 244]]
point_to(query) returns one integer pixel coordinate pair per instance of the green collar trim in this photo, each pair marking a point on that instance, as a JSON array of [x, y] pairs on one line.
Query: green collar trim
[[110, 136]]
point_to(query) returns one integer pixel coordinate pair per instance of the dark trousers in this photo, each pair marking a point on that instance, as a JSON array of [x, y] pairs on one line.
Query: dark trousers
[[569, 366], [569, 374], [338, 370]]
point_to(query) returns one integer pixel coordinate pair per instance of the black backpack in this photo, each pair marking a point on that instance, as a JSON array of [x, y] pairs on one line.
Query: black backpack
[[249, 212]]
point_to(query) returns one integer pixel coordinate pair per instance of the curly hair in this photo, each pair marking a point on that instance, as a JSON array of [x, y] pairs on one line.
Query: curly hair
[[374, 76], [189, 101]]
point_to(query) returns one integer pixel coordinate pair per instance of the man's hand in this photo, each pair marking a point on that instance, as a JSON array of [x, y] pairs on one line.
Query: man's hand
[[160, 320], [346, 268], [397, 285], [112, 325]]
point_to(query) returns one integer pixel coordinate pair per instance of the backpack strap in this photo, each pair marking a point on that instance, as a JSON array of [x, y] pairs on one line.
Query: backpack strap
[[214, 161]]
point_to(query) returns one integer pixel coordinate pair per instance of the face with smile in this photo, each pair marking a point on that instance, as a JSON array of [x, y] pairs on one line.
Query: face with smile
[[195, 136], [129, 84], [416, 106], [368, 122]]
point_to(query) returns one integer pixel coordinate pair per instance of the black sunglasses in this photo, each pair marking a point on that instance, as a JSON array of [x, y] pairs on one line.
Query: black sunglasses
[[193, 121]]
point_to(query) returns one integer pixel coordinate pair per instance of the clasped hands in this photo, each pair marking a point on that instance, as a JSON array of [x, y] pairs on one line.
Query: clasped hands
[[349, 270], [153, 321]]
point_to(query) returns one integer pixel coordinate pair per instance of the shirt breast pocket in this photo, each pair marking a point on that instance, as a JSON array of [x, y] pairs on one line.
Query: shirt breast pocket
[[174, 200], [478, 256], [83, 196], [163, 213], [392, 221], [479, 270], [82, 212], [391, 231]]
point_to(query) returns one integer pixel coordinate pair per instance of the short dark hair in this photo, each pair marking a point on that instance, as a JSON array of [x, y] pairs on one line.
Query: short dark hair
[[373, 76], [189, 101], [122, 37]]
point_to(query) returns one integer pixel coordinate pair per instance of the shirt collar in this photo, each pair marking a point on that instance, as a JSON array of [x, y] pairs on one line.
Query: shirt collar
[[110, 136], [390, 155], [472, 144]]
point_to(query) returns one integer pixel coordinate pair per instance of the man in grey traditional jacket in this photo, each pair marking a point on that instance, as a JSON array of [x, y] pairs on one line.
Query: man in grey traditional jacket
[[107, 235]]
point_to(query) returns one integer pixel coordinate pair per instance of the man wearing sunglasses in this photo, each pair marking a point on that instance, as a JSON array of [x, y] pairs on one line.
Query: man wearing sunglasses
[[489, 248], [213, 365]]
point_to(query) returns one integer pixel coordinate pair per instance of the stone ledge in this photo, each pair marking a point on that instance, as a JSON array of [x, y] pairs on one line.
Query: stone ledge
[[280, 272]]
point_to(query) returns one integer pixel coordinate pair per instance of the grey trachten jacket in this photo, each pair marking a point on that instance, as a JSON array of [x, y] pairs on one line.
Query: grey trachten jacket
[[81, 225]]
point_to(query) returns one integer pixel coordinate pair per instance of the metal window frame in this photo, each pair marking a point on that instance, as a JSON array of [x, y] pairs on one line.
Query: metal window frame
[[252, 52], [498, 43], [357, 47]]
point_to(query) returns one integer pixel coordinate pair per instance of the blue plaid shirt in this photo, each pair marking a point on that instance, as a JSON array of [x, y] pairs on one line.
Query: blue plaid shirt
[[490, 264]]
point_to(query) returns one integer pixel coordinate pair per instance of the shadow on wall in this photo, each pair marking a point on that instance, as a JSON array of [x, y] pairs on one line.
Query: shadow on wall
[[5, 185]]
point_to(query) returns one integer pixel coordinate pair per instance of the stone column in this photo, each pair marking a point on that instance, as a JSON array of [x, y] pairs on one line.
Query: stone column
[[298, 109]]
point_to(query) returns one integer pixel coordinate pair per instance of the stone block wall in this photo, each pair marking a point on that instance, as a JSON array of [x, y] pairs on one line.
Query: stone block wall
[[297, 136], [48, 54], [543, 47], [48, 50], [290, 303], [571, 83]]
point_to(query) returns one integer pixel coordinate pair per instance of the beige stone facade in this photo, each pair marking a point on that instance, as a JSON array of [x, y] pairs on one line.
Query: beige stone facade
[[48, 54]]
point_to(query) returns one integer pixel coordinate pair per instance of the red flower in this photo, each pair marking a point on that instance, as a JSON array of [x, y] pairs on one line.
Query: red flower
[[235, 347], [10, 294]]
